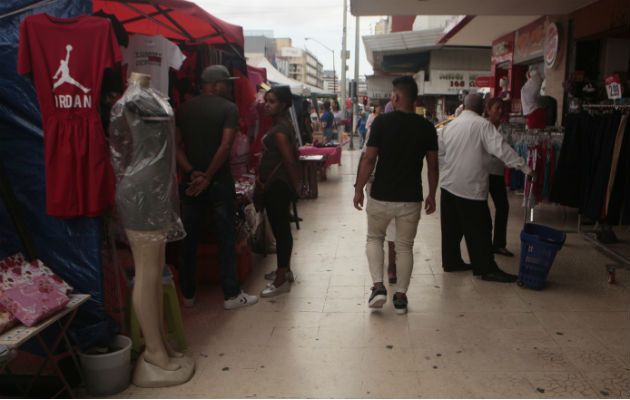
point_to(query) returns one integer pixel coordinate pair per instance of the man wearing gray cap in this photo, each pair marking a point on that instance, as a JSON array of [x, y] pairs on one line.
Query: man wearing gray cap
[[206, 126]]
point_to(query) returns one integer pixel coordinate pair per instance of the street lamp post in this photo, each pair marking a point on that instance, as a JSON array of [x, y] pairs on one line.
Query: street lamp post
[[333, 55]]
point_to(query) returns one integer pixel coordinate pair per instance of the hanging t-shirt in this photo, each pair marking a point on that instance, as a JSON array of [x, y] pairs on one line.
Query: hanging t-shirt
[[152, 55], [67, 58]]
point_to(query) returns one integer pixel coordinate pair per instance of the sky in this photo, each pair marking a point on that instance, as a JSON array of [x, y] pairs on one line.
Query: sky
[[321, 20]]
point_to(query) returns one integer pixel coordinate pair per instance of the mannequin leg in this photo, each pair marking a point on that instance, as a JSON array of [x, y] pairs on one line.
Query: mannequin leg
[[147, 297], [169, 349]]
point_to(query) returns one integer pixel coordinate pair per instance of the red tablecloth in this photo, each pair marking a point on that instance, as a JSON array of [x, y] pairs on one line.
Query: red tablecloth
[[334, 153]]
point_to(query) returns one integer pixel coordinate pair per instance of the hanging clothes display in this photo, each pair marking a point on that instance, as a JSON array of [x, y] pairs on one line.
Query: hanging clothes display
[[67, 58], [187, 83], [154, 56], [542, 151], [592, 172]]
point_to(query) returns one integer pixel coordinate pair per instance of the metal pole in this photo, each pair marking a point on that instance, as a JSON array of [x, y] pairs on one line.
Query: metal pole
[[343, 61], [355, 99]]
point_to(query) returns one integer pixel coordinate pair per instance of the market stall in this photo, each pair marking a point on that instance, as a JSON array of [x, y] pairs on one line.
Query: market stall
[[69, 235]]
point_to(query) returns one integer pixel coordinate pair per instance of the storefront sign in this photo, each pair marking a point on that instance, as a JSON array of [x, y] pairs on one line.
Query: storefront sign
[[552, 45], [529, 41], [483, 81], [613, 86], [503, 49], [452, 82], [291, 52]]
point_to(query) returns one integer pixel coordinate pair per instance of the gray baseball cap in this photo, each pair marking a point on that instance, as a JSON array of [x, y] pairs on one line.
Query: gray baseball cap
[[215, 73]]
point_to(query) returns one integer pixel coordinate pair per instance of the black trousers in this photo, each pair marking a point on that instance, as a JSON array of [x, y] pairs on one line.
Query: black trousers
[[278, 197], [470, 219], [502, 209]]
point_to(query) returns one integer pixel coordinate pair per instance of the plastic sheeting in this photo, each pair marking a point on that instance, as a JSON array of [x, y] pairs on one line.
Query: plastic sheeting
[[71, 248], [142, 144]]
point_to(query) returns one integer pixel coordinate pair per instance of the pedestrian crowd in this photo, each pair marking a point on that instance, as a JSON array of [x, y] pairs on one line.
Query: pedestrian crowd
[[465, 160]]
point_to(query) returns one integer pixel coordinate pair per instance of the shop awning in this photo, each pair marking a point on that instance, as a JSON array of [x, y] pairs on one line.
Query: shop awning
[[400, 42], [481, 30], [175, 19], [466, 7]]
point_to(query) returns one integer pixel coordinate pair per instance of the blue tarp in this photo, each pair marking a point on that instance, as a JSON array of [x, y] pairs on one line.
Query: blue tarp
[[70, 247]]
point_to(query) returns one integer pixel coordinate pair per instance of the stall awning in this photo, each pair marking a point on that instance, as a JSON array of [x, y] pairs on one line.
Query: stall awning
[[175, 19], [277, 77], [466, 7]]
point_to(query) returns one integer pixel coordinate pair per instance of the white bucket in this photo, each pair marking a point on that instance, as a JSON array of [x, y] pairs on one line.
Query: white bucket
[[108, 373]]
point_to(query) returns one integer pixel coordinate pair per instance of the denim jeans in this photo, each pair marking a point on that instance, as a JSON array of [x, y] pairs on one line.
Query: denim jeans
[[221, 200], [361, 139], [330, 134], [407, 216]]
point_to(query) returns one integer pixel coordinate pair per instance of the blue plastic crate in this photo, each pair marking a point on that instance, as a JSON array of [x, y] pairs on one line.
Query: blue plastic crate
[[539, 245]]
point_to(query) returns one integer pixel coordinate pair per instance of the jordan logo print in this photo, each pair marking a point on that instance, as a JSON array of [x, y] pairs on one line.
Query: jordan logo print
[[64, 71]]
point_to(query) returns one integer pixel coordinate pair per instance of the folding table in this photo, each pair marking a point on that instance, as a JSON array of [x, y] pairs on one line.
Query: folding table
[[16, 337]]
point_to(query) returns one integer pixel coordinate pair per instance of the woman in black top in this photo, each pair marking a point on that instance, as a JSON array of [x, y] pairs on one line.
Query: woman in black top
[[278, 171]]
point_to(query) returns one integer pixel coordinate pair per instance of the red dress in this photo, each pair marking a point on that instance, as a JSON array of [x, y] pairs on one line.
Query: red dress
[[67, 58]]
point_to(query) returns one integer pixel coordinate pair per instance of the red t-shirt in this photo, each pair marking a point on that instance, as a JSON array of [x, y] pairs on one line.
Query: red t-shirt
[[67, 57]]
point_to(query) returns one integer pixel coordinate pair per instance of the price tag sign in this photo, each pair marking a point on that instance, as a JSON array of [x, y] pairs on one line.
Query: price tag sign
[[613, 86]]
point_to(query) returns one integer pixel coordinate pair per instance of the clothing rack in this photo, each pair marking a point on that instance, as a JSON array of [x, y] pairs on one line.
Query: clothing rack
[[590, 235], [610, 106], [551, 136]]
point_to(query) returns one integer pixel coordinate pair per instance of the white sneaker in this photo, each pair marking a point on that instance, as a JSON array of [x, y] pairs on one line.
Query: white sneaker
[[241, 300], [271, 290], [188, 303]]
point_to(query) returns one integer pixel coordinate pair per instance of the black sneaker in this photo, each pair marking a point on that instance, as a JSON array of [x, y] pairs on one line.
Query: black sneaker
[[400, 303], [378, 297]]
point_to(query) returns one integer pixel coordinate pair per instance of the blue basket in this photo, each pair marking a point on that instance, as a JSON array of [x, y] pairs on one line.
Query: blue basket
[[539, 246]]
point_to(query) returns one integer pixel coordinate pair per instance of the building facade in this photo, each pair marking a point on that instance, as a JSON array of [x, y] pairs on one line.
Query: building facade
[[331, 81]]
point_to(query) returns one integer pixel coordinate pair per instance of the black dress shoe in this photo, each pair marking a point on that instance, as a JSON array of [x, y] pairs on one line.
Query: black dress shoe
[[499, 276], [503, 252], [461, 267]]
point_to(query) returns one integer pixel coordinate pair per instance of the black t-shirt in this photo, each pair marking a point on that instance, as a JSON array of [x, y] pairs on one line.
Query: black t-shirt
[[201, 121], [402, 140]]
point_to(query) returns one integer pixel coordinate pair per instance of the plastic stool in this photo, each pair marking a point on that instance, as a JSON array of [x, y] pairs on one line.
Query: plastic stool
[[172, 315]]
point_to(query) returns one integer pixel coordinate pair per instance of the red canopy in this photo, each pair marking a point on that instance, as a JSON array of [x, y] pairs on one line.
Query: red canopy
[[256, 75], [174, 19]]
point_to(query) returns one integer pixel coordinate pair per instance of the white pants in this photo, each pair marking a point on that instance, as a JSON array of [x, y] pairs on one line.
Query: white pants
[[407, 216], [390, 234]]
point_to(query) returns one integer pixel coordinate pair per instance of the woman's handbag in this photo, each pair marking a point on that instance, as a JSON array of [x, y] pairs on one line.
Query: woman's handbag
[[259, 189]]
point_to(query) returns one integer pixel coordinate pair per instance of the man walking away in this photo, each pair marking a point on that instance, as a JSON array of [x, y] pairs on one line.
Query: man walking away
[[400, 139]]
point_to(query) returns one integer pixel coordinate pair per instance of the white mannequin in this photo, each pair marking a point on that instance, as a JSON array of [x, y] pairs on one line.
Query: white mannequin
[[503, 83], [530, 91], [159, 365]]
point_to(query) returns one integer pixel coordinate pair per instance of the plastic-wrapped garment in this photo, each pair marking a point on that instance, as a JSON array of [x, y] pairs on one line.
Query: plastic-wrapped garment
[[142, 144]]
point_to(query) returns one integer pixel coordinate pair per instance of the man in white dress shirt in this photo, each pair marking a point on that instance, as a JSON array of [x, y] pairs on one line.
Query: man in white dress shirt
[[465, 149]]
